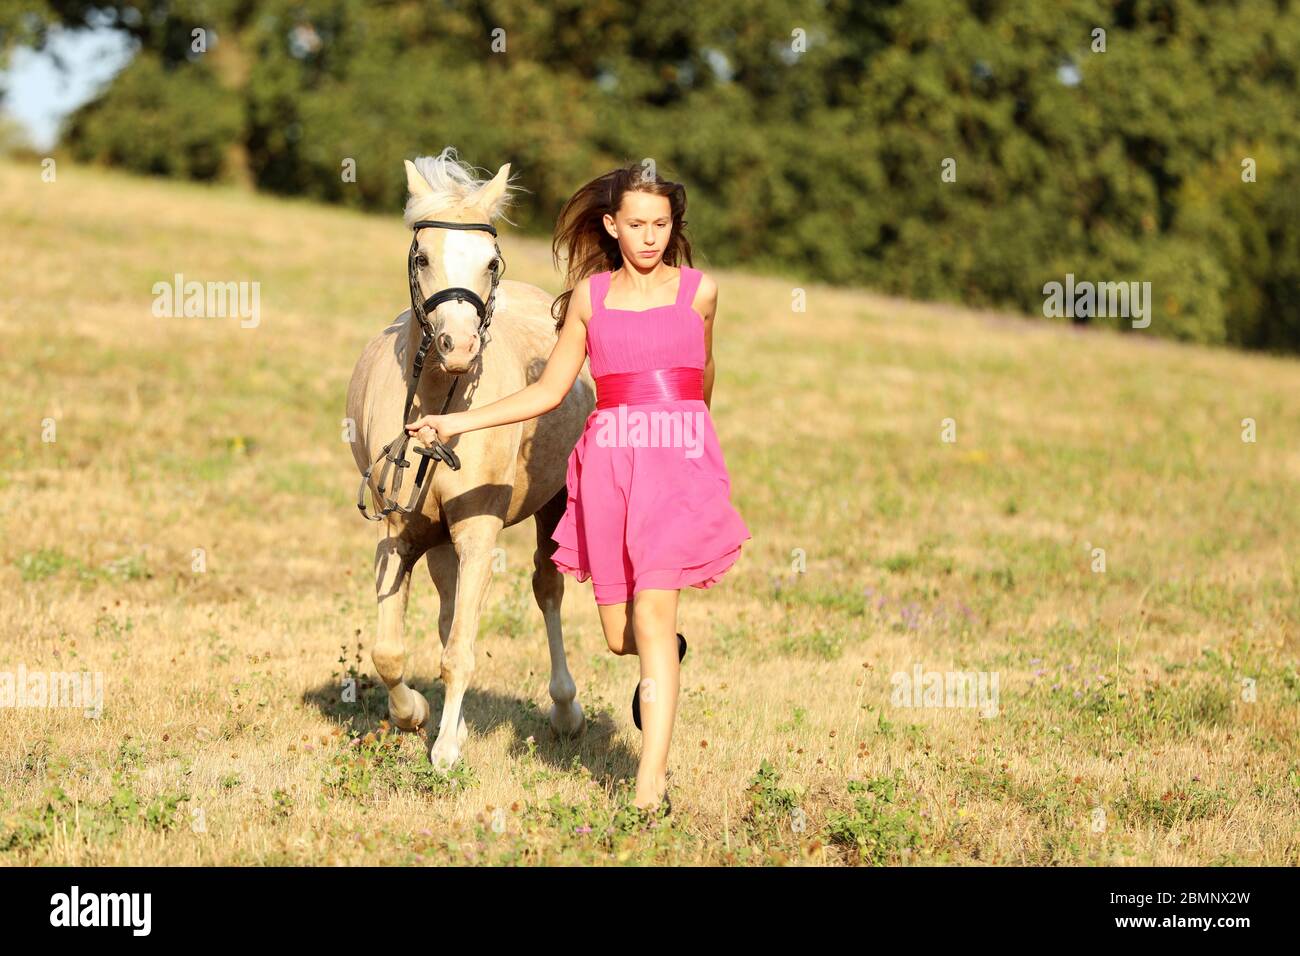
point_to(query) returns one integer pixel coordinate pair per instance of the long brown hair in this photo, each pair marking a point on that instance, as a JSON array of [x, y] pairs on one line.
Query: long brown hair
[[581, 231]]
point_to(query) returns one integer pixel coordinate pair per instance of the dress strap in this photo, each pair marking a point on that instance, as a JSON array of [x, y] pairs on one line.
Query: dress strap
[[599, 289], [690, 281]]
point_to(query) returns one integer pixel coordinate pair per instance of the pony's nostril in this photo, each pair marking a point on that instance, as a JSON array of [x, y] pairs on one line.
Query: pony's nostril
[[444, 342]]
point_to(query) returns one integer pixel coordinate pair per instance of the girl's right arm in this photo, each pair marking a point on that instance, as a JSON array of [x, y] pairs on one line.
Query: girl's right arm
[[532, 401]]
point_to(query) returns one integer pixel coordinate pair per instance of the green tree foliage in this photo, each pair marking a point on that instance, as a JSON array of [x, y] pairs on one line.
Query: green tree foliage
[[182, 122], [1071, 159], [813, 135]]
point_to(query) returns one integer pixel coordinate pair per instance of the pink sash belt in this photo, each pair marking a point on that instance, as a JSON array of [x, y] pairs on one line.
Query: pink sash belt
[[652, 385]]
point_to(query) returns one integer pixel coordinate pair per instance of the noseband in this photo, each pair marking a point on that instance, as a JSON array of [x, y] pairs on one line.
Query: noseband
[[394, 453]]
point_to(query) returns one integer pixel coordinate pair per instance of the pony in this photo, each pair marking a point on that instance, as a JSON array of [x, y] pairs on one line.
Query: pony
[[508, 474]]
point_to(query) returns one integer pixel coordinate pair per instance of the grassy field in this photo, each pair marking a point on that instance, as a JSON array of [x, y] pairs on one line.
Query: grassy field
[[1098, 537]]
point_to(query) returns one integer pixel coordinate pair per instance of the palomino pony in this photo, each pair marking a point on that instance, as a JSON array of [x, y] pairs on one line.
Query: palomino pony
[[507, 474]]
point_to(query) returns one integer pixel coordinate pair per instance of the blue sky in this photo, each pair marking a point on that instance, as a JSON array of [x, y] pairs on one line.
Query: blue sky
[[39, 95]]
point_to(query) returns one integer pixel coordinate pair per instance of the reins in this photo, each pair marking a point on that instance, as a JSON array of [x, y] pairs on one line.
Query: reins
[[394, 453]]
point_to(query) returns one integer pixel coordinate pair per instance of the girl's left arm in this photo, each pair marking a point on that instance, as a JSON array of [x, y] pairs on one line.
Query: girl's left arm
[[706, 298]]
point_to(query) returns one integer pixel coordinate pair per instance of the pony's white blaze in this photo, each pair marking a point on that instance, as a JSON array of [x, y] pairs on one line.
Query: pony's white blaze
[[508, 474], [464, 258]]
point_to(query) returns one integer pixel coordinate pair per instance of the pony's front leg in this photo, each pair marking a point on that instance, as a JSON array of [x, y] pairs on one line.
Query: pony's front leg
[[406, 707], [474, 539], [443, 570]]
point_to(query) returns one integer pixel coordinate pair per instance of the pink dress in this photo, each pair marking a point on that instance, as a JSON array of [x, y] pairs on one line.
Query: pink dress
[[648, 487]]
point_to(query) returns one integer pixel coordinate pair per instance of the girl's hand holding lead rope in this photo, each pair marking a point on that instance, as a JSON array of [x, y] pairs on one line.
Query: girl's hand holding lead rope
[[429, 428]]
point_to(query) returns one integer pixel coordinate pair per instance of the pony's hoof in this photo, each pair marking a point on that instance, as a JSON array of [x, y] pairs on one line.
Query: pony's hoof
[[419, 716], [443, 757], [568, 720]]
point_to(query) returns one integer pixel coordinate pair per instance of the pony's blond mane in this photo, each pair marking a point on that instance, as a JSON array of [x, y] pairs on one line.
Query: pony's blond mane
[[454, 184]]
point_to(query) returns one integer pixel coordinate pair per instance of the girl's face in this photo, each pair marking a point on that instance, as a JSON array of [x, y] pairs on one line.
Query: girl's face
[[642, 227]]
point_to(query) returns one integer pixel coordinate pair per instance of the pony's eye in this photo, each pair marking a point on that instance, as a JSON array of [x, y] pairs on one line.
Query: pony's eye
[[495, 264], [422, 261]]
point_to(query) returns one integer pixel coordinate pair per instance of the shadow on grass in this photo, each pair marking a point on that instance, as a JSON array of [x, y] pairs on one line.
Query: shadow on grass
[[608, 760]]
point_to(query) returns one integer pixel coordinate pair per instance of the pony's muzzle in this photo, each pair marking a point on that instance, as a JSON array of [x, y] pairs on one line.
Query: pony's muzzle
[[457, 353]]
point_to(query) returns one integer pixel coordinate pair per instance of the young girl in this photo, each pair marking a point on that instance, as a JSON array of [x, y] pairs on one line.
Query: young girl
[[649, 509]]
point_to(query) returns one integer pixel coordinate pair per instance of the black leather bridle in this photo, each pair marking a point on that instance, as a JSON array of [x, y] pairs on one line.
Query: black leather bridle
[[394, 453]]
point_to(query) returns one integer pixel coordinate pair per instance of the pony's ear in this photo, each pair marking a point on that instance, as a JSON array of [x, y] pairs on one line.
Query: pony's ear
[[415, 183], [491, 196]]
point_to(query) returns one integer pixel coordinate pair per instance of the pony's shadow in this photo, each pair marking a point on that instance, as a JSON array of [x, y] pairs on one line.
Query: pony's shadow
[[608, 760]]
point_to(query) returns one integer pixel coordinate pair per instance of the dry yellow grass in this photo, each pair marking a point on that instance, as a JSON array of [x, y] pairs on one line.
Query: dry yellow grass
[[1124, 733]]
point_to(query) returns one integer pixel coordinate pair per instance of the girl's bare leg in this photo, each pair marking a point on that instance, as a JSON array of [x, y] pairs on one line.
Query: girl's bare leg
[[654, 622], [616, 620], [650, 632]]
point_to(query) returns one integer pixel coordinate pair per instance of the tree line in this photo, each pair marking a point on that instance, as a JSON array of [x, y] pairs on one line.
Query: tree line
[[968, 150]]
